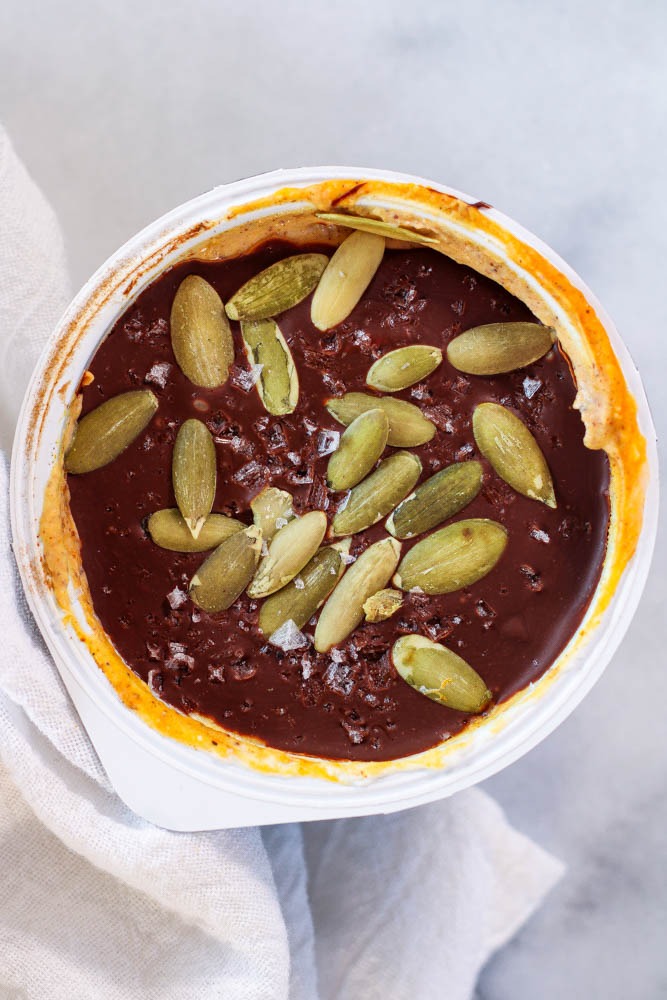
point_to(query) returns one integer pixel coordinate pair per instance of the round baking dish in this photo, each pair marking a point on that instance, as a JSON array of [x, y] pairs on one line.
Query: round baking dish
[[613, 406]]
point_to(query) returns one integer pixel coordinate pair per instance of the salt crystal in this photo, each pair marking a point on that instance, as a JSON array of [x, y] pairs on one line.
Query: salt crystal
[[216, 673], [158, 374], [418, 392], [281, 521], [327, 441], [294, 457], [180, 660], [237, 443], [360, 337], [298, 583], [245, 379], [540, 535], [155, 681], [310, 425], [288, 636], [531, 386], [416, 590], [265, 548], [337, 655], [306, 668], [176, 647], [346, 558], [355, 734], [344, 502], [406, 365], [176, 598], [249, 474], [338, 677]]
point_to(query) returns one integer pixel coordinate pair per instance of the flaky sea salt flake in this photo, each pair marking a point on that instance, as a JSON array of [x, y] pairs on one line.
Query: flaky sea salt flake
[[288, 636], [531, 386], [327, 441], [155, 680], [246, 378], [158, 374], [180, 661], [540, 536], [176, 598]]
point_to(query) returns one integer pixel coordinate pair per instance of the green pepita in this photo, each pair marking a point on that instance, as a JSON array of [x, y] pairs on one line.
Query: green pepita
[[200, 333], [408, 427], [359, 449], [108, 430], [513, 452], [436, 500], [378, 494], [440, 674], [403, 367], [453, 557], [193, 473], [278, 287]]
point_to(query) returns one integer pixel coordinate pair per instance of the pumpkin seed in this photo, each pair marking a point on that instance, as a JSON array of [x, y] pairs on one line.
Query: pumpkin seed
[[106, 431], [278, 382], [367, 225], [345, 279], [379, 493], [453, 557], [408, 427], [440, 674], [403, 367], [278, 287], [499, 347], [291, 548], [301, 598], [436, 500], [168, 530], [193, 473], [359, 449], [513, 452], [345, 608], [200, 333], [271, 510], [382, 605], [227, 571]]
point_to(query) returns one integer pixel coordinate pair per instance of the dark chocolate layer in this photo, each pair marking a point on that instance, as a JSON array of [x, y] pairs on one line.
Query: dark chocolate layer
[[510, 626]]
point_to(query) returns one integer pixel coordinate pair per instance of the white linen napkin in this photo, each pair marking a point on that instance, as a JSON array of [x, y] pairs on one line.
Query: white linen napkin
[[97, 903]]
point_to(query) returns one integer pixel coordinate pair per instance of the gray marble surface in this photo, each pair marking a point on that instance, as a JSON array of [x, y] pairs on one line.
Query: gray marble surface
[[555, 113]]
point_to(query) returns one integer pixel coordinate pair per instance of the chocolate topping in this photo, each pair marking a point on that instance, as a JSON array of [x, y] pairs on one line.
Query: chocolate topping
[[350, 703]]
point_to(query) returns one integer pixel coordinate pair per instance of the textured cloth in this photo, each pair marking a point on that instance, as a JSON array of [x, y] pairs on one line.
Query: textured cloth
[[97, 903]]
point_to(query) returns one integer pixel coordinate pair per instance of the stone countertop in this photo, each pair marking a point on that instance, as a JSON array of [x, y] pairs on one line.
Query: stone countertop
[[553, 113]]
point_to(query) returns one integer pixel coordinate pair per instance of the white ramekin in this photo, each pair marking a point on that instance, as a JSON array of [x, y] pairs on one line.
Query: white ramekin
[[177, 786]]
